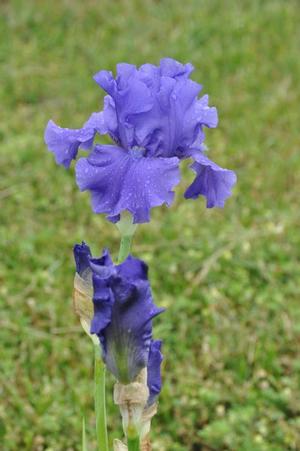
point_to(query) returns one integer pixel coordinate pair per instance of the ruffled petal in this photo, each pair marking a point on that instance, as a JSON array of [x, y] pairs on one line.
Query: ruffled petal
[[153, 107], [133, 268], [206, 115], [123, 309], [176, 120], [172, 68], [105, 79], [131, 96], [212, 181], [150, 75], [102, 265], [153, 371], [103, 302], [198, 116], [110, 118], [120, 180], [156, 108], [65, 142]]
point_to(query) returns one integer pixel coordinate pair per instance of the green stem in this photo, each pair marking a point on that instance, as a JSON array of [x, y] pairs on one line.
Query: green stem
[[124, 247], [133, 444], [100, 404]]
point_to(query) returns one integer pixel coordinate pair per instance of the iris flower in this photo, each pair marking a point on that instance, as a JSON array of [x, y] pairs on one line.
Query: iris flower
[[123, 313], [155, 119]]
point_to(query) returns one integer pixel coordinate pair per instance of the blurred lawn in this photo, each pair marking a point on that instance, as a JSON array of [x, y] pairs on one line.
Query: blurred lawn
[[230, 278]]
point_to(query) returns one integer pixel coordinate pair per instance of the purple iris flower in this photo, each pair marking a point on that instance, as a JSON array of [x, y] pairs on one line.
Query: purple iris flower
[[123, 313], [155, 118]]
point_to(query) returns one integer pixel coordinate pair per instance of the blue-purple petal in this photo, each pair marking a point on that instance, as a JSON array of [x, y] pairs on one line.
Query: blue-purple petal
[[155, 118], [156, 107], [123, 310], [133, 268], [103, 303], [172, 68], [120, 180], [65, 142], [154, 371], [82, 255], [212, 181], [130, 95]]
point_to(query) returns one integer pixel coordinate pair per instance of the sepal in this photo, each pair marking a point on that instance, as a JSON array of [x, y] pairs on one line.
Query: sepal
[[83, 304]]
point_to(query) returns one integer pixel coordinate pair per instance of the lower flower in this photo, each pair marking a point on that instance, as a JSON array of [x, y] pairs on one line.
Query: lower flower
[[123, 310]]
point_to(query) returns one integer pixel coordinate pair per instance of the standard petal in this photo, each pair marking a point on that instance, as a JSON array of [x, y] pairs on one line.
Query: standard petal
[[111, 119], [133, 268], [130, 95], [102, 266], [157, 108], [120, 180], [153, 371], [65, 142], [212, 181], [176, 119], [103, 302], [105, 79], [207, 115], [172, 68]]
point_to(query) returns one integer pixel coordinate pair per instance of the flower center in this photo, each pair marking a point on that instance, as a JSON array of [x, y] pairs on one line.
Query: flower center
[[137, 152]]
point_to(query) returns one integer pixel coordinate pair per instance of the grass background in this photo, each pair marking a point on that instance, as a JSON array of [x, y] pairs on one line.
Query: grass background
[[229, 278]]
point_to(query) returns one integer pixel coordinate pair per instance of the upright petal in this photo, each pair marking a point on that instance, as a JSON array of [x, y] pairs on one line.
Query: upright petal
[[105, 79], [176, 118], [103, 302], [130, 95], [120, 180], [133, 269], [102, 265], [156, 107], [172, 68], [65, 142], [111, 119], [212, 181]]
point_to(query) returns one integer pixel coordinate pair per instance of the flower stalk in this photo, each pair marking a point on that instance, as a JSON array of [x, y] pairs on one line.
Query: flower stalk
[[127, 229], [125, 246], [133, 444], [100, 402]]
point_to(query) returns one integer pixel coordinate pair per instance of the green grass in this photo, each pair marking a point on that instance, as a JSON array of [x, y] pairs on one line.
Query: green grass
[[229, 278]]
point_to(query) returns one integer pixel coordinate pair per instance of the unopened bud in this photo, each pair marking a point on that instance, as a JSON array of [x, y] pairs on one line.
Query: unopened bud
[[83, 304]]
